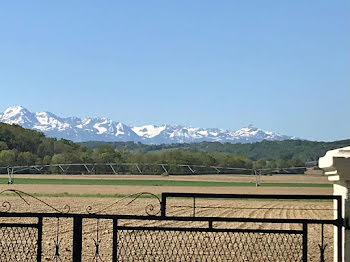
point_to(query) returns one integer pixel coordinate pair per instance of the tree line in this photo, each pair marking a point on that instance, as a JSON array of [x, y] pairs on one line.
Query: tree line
[[287, 150]]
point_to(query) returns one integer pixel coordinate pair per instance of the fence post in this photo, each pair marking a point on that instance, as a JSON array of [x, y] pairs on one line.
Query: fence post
[[77, 238], [40, 239], [305, 229], [163, 205], [115, 241], [336, 164]]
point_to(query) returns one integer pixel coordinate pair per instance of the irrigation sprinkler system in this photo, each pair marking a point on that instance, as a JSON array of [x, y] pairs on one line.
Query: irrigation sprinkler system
[[257, 174], [144, 169]]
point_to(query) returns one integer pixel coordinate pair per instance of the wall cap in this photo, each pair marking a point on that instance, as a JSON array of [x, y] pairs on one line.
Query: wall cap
[[336, 164]]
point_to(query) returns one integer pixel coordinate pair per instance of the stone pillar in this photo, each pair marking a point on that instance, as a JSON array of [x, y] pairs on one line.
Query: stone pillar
[[336, 165]]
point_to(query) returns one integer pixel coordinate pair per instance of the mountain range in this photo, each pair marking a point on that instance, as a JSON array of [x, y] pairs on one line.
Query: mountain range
[[103, 129]]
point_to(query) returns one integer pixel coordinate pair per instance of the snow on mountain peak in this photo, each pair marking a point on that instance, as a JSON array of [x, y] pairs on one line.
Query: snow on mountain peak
[[101, 126], [247, 131], [18, 115], [14, 110], [148, 131], [120, 129], [49, 121], [103, 129]]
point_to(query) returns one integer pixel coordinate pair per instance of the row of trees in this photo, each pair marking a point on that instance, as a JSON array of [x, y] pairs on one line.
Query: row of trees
[[19, 146], [269, 150]]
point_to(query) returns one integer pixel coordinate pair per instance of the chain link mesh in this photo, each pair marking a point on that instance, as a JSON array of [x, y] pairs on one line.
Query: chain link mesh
[[159, 245], [18, 244]]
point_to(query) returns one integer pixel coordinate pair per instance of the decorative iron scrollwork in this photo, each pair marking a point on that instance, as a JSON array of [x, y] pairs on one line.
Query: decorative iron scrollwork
[[322, 250], [97, 241], [150, 209], [322, 246], [57, 242], [7, 205]]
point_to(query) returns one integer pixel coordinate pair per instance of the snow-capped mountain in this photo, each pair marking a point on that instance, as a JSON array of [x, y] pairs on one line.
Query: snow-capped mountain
[[103, 129]]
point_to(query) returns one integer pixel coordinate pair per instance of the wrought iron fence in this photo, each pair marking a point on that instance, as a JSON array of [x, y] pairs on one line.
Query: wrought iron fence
[[157, 235], [184, 244], [20, 242]]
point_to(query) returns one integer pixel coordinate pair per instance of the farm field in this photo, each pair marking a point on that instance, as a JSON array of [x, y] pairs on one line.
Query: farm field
[[80, 192]]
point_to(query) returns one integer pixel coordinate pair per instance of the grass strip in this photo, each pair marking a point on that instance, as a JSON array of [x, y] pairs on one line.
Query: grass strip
[[132, 182]]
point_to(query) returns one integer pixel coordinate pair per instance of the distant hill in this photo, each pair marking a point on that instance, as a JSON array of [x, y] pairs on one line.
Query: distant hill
[[269, 150], [21, 146]]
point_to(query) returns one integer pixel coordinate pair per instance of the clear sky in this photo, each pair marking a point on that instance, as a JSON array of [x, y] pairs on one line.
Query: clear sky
[[279, 65]]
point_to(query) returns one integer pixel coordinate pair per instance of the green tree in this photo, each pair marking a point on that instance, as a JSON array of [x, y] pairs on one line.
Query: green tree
[[46, 148], [3, 146], [296, 162], [86, 157], [47, 160], [7, 157], [26, 158], [271, 164], [281, 163], [104, 154], [260, 164]]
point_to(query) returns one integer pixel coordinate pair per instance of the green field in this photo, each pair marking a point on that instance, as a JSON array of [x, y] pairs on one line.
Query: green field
[[134, 182]]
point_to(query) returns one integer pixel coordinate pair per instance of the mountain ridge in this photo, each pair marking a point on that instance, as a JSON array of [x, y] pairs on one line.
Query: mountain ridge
[[103, 129]]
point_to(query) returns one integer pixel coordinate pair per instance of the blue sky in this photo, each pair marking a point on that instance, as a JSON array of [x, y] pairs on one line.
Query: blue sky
[[279, 65]]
